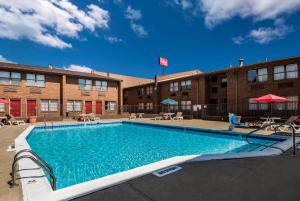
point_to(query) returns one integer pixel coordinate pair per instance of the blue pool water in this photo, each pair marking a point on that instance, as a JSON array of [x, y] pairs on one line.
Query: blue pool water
[[82, 153]]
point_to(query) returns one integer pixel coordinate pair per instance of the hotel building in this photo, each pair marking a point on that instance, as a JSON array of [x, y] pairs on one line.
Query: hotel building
[[222, 91], [56, 93]]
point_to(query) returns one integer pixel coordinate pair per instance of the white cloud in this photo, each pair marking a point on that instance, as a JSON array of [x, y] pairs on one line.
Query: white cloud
[[79, 68], [133, 14], [238, 40], [46, 21], [184, 4], [264, 35], [112, 39], [139, 30], [216, 11], [3, 59]]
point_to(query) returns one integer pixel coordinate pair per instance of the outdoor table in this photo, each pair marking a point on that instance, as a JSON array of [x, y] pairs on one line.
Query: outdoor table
[[140, 115], [269, 120], [168, 115]]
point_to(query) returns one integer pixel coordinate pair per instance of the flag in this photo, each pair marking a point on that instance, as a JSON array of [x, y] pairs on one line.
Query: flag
[[163, 61]]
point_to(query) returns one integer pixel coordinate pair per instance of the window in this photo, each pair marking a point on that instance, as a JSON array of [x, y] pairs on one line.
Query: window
[[263, 106], [279, 73], [149, 90], [125, 93], [259, 75], [251, 76], [10, 78], [292, 71], [2, 107], [262, 75], [140, 91], [254, 106], [214, 90], [224, 82], [186, 105], [140, 106], [101, 85], [85, 84], [35, 80], [173, 86], [110, 105], [49, 105], [174, 107], [187, 84], [74, 105], [293, 103], [149, 106]]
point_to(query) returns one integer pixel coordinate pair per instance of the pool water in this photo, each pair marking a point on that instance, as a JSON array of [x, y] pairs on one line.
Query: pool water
[[82, 153]]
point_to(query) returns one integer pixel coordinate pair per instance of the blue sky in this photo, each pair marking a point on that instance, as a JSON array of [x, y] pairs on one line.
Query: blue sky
[[127, 37]]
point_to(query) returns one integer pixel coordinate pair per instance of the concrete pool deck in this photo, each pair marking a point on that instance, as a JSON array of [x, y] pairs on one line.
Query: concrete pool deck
[[197, 181]]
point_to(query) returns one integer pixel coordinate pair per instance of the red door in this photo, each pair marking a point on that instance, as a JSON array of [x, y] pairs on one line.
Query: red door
[[15, 108], [31, 108], [98, 107], [88, 107]]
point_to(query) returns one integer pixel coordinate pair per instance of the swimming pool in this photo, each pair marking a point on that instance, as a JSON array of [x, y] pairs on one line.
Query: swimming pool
[[82, 153]]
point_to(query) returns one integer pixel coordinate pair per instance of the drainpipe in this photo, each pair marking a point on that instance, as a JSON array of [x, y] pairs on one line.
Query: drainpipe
[[155, 94], [236, 91]]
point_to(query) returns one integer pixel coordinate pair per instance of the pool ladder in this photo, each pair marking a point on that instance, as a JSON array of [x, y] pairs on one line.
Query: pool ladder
[[275, 129], [38, 161], [45, 123]]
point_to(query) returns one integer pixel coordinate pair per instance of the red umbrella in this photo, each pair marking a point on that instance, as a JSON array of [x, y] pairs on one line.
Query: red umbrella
[[4, 101], [270, 98]]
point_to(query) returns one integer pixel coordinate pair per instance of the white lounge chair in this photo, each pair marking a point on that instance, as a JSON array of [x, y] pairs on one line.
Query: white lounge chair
[[132, 116], [178, 116], [14, 121], [160, 117], [93, 117]]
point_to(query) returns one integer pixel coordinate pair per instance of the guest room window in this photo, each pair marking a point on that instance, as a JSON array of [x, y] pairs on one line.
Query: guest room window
[[35, 80], [101, 85], [110, 105], [74, 105], [10, 78], [85, 84]]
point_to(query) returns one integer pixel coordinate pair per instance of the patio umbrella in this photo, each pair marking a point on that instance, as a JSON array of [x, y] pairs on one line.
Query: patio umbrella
[[4, 101], [270, 98], [169, 102]]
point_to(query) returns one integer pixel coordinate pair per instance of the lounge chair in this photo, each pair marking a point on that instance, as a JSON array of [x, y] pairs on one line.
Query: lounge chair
[[159, 117], [132, 116], [93, 117], [290, 121], [13, 121], [178, 116], [233, 122]]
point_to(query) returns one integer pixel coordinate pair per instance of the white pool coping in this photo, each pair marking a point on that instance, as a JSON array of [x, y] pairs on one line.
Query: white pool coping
[[41, 188]]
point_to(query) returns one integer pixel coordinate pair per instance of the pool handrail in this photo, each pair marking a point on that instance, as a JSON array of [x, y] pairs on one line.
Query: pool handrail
[[277, 125], [38, 161]]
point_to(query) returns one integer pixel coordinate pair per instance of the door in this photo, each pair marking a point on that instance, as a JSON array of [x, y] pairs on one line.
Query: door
[[98, 107], [88, 107], [15, 108], [31, 108]]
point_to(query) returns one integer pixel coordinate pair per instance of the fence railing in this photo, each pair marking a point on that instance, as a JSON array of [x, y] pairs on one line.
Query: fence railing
[[283, 110]]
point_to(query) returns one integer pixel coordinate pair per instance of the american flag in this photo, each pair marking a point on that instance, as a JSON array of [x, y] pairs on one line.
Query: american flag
[[163, 61]]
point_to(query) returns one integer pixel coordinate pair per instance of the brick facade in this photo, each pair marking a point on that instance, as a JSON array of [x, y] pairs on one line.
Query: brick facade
[[229, 90], [61, 86]]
